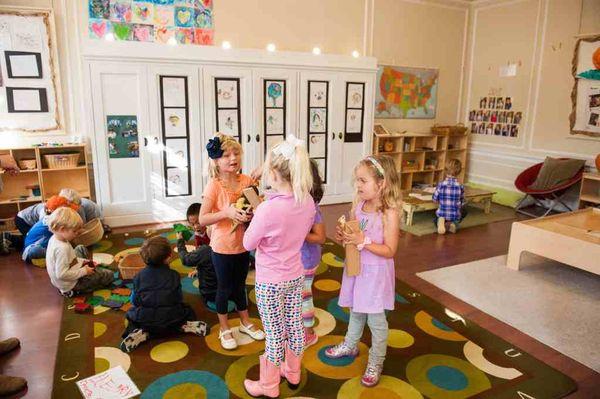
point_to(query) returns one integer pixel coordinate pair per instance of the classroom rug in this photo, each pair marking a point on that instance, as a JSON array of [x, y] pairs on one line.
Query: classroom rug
[[432, 351], [423, 221], [559, 308]]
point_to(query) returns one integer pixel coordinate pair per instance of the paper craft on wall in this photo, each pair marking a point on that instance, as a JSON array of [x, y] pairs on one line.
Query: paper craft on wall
[[227, 93], [23, 65], [274, 110], [318, 94], [228, 122], [317, 123], [317, 120], [177, 153], [173, 90], [585, 114], [122, 135], [406, 93], [177, 182], [175, 122], [227, 106], [355, 109], [274, 121], [28, 53], [188, 21]]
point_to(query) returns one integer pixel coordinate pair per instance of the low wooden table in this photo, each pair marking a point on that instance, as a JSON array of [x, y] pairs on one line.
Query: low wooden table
[[410, 205], [572, 238]]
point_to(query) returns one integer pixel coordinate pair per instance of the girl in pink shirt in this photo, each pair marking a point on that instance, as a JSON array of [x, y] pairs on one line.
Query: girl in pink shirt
[[277, 231], [371, 293]]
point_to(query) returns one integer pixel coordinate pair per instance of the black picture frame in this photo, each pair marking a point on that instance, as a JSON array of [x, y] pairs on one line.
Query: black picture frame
[[308, 127], [10, 91], [266, 107], [354, 137], [165, 138], [238, 108], [9, 66]]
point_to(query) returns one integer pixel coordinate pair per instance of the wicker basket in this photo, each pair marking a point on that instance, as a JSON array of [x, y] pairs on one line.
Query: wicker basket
[[92, 232], [455, 130], [62, 161], [130, 266], [27, 164], [7, 225]]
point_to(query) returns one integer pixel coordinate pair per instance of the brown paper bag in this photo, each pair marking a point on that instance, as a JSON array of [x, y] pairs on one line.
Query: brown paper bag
[[352, 253]]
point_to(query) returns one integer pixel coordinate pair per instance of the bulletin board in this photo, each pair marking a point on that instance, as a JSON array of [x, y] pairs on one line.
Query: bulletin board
[[28, 81], [585, 115]]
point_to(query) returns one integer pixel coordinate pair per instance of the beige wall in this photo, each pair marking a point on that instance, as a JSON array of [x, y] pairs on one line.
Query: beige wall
[[422, 34], [541, 35]]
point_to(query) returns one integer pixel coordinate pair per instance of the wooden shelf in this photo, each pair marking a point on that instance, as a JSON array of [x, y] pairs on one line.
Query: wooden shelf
[[590, 198], [82, 167], [20, 201]]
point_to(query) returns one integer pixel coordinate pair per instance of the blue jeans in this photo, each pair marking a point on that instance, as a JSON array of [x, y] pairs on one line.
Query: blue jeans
[[463, 214]]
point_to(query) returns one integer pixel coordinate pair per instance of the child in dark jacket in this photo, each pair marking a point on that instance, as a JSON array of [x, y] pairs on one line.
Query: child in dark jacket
[[200, 258], [157, 299]]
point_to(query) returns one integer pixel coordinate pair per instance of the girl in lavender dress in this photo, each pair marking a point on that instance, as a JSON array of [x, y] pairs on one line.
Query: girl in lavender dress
[[371, 293]]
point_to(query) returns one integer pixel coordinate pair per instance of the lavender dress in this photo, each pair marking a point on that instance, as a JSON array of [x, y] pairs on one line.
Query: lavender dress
[[372, 291]]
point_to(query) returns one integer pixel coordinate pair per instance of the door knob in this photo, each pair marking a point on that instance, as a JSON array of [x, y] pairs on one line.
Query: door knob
[[340, 135], [333, 136], [248, 138], [258, 138]]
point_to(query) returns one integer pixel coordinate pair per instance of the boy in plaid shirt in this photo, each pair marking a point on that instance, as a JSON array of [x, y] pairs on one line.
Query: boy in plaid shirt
[[450, 195]]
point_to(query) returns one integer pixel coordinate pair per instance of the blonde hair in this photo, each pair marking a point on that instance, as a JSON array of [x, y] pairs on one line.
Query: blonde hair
[[453, 167], [64, 218], [383, 169], [71, 195], [290, 159], [227, 143]]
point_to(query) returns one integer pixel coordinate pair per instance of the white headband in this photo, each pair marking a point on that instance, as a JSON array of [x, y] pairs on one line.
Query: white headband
[[287, 148]]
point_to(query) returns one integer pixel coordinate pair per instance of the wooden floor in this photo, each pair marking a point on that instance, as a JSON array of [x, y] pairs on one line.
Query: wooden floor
[[30, 308]]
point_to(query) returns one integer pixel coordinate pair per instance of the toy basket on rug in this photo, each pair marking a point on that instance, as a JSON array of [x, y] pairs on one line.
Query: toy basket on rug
[[131, 265], [92, 232]]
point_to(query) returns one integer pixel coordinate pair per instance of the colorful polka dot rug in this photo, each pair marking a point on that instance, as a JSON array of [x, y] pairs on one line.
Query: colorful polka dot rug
[[432, 351]]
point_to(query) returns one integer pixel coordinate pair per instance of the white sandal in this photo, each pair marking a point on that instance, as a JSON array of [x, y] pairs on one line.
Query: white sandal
[[257, 335], [227, 343]]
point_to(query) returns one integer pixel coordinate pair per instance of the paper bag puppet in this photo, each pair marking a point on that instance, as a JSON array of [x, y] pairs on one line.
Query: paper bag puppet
[[352, 252]]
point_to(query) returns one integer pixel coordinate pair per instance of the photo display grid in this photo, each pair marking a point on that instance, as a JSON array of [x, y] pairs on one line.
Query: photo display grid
[[274, 111], [355, 112], [495, 117], [227, 106], [317, 123], [175, 135]]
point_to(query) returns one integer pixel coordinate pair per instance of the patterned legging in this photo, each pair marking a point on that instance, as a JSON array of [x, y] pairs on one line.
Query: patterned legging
[[308, 308], [280, 309]]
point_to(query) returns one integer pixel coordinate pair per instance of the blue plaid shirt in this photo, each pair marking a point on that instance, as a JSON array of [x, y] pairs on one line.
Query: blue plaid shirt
[[450, 195]]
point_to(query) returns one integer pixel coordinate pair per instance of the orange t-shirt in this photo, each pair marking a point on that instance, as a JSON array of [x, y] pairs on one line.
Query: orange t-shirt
[[222, 240]]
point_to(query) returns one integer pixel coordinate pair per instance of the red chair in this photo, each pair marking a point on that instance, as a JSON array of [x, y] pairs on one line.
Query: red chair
[[555, 194]]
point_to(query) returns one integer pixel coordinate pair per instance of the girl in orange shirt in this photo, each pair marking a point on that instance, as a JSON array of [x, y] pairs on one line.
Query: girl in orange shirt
[[230, 258]]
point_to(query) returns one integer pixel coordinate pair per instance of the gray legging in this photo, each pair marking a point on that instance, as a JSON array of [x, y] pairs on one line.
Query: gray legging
[[99, 279]]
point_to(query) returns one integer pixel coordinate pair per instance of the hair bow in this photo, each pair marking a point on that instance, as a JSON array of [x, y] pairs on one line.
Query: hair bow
[[214, 148], [287, 148]]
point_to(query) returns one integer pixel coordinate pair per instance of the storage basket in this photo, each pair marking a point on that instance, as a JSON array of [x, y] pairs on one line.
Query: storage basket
[[7, 225], [27, 164], [62, 161], [91, 233], [131, 265], [455, 130]]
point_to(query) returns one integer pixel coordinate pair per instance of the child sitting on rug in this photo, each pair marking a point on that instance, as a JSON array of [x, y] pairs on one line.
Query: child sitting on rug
[[157, 299], [68, 268], [277, 231], [37, 238], [450, 195], [88, 209], [371, 292]]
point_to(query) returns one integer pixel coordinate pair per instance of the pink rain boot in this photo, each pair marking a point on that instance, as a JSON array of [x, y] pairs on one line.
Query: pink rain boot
[[291, 368], [268, 384]]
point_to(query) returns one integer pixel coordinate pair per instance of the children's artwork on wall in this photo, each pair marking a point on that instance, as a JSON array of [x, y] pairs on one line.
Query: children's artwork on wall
[[355, 95], [318, 145], [273, 140], [354, 121], [496, 111], [173, 90], [274, 121], [406, 93], [175, 122], [177, 182], [228, 121], [355, 109], [28, 55], [585, 114], [177, 153], [275, 93], [317, 120], [122, 135], [318, 94], [189, 22], [227, 93]]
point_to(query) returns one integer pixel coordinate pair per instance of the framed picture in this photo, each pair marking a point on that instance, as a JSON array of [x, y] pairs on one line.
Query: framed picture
[[274, 121], [318, 92], [173, 91], [317, 147], [23, 65], [228, 122], [178, 182], [23, 99], [586, 90], [177, 153], [227, 92], [317, 120], [175, 120], [354, 98], [274, 93], [354, 121]]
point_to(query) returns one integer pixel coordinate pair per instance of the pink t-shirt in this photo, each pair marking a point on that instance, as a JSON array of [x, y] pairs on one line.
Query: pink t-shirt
[[277, 231]]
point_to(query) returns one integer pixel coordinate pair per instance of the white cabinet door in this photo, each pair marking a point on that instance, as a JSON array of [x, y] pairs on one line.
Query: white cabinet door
[[316, 124], [354, 126], [275, 108], [118, 94], [176, 145], [228, 108]]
